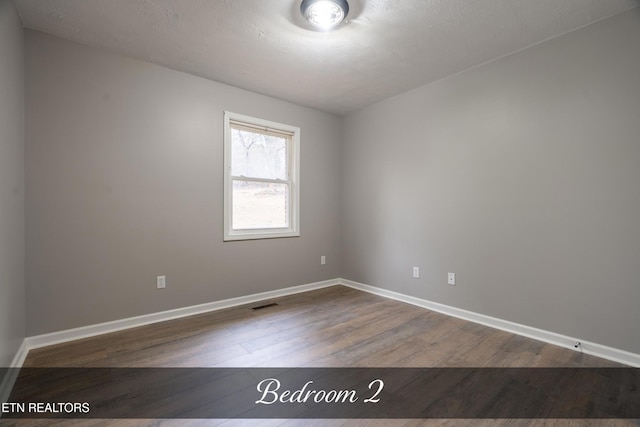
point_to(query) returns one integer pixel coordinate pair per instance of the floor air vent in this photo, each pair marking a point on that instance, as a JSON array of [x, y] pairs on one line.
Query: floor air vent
[[260, 307]]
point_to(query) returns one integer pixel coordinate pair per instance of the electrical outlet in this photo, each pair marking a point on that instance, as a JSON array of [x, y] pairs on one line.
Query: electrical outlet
[[161, 282], [451, 278], [416, 272], [323, 260]]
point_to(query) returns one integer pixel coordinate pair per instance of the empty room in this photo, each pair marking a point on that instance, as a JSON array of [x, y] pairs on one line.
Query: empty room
[[319, 212]]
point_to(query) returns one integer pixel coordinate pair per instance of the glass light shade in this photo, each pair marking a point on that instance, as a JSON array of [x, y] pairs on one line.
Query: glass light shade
[[324, 14]]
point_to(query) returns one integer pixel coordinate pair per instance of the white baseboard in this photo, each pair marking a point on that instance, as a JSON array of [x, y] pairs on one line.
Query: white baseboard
[[37, 341], [7, 382], [594, 349], [132, 322], [18, 360]]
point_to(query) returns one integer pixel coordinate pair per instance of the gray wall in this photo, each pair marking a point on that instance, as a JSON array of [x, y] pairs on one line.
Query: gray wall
[[522, 176], [124, 176], [12, 244]]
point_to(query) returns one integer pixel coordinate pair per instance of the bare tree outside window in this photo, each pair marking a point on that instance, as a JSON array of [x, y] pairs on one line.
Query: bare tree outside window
[[259, 204]]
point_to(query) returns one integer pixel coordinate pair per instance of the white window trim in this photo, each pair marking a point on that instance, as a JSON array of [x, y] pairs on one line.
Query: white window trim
[[294, 179]]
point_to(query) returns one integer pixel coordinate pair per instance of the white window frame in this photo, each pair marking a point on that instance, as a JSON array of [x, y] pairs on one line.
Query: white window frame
[[293, 163]]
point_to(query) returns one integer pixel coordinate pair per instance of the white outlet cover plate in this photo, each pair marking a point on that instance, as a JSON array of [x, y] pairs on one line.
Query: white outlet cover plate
[[451, 278]]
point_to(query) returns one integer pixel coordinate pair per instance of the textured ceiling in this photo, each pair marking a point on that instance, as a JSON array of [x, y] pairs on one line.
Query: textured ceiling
[[386, 47]]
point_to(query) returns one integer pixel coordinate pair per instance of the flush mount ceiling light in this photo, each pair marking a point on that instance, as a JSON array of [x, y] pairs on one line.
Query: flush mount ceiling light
[[324, 14]]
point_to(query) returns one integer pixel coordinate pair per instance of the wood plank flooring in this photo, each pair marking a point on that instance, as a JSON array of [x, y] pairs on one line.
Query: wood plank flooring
[[331, 327]]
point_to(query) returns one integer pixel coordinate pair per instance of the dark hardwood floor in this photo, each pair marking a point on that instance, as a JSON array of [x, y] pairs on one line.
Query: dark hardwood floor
[[332, 327]]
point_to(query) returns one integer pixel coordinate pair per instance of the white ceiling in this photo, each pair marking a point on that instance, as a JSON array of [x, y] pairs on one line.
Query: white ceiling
[[387, 46]]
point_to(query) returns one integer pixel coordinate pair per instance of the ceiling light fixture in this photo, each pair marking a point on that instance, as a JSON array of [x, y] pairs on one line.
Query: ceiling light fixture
[[324, 14]]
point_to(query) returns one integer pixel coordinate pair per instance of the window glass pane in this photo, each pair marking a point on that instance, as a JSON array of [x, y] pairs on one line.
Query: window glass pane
[[260, 205], [257, 155]]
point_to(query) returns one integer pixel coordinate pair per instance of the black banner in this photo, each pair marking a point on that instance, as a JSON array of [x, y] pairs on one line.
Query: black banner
[[323, 393]]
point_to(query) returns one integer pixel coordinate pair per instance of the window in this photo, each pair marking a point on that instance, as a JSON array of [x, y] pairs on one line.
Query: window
[[261, 178]]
